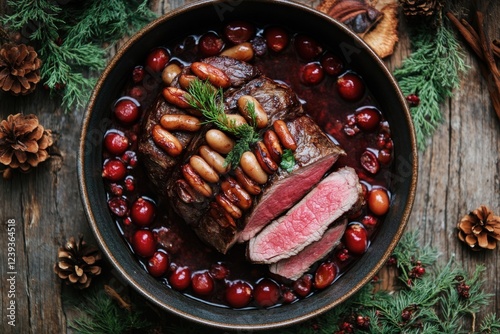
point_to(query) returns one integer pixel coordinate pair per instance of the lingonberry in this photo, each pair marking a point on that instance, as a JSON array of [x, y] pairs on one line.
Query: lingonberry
[[115, 143], [378, 201], [142, 212], [158, 264], [210, 44], [324, 275], [276, 38], [306, 47], [157, 59], [311, 74], [143, 243], [202, 283], [180, 279], [351, 87], [238, 32], [356, 238], [126, 111], [238, 294], [332, 64], [367, 119], [114, 170], [266, 293]]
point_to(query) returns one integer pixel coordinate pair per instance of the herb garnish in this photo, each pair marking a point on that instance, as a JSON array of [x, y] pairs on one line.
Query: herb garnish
[[287, 160]]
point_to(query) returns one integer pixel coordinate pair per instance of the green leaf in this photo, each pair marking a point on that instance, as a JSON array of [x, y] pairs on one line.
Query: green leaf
[[287, 160]]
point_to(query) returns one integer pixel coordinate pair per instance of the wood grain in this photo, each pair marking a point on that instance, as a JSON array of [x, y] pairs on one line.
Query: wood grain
[[459, 170]]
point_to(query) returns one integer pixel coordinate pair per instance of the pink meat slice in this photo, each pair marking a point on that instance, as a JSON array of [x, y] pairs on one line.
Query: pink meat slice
[[307, 221], [293, 267]]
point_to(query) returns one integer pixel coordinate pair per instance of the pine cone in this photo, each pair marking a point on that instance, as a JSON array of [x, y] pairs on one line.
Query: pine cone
[[480, 229], [19, 68], [23, 142], [77, 263], [420, 7]]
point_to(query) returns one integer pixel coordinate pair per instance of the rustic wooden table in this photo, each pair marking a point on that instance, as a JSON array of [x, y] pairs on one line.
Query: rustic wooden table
[[459, 170]]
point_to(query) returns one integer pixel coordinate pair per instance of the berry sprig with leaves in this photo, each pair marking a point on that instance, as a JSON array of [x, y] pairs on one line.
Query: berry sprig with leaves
[[70, 38]]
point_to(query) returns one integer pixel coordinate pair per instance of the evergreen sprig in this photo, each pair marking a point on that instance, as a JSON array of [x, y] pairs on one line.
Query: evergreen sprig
[[432, 71], [70, 39]]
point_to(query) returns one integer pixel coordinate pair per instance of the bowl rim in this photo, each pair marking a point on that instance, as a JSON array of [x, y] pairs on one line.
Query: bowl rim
[[128, 277]]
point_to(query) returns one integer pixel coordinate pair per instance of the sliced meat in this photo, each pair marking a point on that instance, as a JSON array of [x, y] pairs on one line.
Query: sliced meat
[[238, 71], [314, 156], [294, 267], [307, 220]]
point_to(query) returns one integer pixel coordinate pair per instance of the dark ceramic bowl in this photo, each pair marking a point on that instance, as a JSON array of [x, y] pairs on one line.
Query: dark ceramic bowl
[[298, 18]]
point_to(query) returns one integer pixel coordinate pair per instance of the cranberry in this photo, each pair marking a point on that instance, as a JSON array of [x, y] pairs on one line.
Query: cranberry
[[158, 264], [332, 64], [115, 143], [210, 44], [118, 206], [143, 243], [202, 283], [343, 255], [413, 100], [142, 212], [266, 293], [356, 239], [239, 31], [306, 47], [311, 74], [157, 59], [116, 189], [219, 271], [384, 156], [351, 87], [276, 38], [369, 162], [288, 296], [180, 279], [325, 274], [130, 183], [238, 294], [369, 221], [302, 286], [114, 170], [367, 119], [378, 201], [126, 111], [138, 74]]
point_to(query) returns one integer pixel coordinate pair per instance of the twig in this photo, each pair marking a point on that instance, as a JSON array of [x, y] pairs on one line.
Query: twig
[[116, 296]]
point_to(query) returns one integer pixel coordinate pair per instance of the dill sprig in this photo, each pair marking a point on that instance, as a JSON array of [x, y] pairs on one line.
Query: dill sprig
[[210, 103], [70, 39], [432, 72]]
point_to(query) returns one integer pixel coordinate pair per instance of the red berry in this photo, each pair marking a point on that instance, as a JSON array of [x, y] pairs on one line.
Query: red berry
[[413, 100], [210, 44], [350, 87], [219, 271], [126, 111], [378, 201], [157, 59], [288, 296], [138, 74], [130, 183], [238, 32], [114, 170], [276, 38], [356, 239], [158, 264], [311, 74], [180, 278], [306, 47], [343, 255], [138, 92], [202, 283], [142, 212], [332, 64], [369, 162], [118, 206], [238, 294], [367, 119], [369, 221], [303, 285], [325, 274], [115, 143], [384, 156], [143, 243], [266, 293]]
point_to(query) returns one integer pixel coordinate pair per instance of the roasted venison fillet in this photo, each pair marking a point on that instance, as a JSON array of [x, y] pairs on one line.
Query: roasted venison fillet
[[294, 267], [307, 221]]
